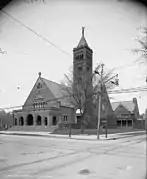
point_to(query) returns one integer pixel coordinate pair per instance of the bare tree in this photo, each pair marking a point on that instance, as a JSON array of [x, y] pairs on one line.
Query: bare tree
[[2, 51], [143, 46], [79, 93], [82, 93]]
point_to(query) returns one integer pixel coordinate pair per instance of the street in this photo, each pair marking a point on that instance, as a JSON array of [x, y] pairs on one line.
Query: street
[[28, 157]]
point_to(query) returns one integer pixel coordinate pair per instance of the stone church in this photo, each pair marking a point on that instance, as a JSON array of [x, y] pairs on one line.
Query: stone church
[[47, 106]]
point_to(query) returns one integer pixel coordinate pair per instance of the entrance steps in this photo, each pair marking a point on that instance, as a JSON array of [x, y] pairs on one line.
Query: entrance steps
[[33, 128]]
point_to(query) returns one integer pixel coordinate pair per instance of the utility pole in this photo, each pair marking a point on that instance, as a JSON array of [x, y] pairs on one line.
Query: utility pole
[[146, 115], [116, 82], [99, 103]]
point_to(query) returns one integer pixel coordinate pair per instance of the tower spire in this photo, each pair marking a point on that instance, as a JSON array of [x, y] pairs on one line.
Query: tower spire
[[83, 29], [82, 40]]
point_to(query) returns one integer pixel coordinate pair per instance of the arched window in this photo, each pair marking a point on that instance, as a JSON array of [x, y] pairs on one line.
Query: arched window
[[45, 121], [15, 122], [88, 68], [80, 69], [39, 85], [77, 57], [79, 79], [30, 120], [21, 121], [38, 120], [54, 121]]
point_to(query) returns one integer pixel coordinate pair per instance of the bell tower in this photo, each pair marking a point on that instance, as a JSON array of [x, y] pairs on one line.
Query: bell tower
[[82, 69], [82, 61]]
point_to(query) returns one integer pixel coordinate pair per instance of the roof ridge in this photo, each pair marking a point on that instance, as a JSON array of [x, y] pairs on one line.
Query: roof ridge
[[50, 81]]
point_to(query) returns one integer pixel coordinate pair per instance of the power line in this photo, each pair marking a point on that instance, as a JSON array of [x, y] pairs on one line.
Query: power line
[[128, 90], [36, 33], [120, 92], [46, 40]]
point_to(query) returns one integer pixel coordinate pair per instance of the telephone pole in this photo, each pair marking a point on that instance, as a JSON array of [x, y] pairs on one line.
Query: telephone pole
[[99, 103], [102, 82]]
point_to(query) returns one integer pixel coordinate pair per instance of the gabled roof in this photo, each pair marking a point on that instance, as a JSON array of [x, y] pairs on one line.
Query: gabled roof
[[129, 105], [58, 92], [55, 88]]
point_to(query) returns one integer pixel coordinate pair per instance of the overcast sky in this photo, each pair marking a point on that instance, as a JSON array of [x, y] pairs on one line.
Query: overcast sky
[[110, 30]]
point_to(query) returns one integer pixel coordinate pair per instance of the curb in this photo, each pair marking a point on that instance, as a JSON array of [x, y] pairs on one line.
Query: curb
[[67, 137], [49, 136]]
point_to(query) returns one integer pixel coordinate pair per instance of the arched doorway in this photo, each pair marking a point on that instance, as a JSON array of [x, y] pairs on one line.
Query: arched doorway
[[30, 120], [21, 121], [45, 121], [38, 120], [15, 122], [54, 121]]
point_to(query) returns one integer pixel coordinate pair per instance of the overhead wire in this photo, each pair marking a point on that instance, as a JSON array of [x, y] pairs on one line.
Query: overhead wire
[[48, 41], [128, 90], [34, 32]]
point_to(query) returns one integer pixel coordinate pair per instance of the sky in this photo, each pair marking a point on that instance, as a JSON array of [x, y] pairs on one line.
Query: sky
[[111, 28]]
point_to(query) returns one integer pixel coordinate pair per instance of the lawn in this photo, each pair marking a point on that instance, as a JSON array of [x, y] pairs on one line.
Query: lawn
[[94, 131]]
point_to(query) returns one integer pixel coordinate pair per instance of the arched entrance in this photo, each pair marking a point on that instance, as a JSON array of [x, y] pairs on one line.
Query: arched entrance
[[38, 120], [54, 121], [21, 121], [15, 122], [30, 120], [45, 121]]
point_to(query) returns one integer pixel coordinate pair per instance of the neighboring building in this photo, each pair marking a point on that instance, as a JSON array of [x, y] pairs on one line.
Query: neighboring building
[[45, 106], [83, 70], [145, 119], [127, 113], [6, 120]]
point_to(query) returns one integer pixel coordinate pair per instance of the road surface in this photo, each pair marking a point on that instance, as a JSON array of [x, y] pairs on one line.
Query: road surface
[[28, 157]]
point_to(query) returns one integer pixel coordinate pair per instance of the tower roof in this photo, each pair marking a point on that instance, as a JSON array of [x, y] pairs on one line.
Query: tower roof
[[82, 41]]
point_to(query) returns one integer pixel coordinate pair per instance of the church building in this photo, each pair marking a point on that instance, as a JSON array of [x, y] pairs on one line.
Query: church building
[[45, 107], [47, 104]]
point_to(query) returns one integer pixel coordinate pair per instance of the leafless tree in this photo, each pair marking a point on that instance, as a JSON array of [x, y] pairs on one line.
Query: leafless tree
[[143, 46], [81, 93]]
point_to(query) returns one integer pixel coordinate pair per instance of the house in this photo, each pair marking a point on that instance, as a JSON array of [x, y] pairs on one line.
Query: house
[[46, 106], [127, 113]]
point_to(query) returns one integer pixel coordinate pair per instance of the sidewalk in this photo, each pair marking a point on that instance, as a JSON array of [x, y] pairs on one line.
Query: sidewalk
[[76, 137]]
